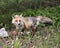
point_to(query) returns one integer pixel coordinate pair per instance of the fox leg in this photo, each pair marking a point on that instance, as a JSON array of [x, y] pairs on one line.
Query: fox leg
[[34, 30], [22, 32], [16, 37]]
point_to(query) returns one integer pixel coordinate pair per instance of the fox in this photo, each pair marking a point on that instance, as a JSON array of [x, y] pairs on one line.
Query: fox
[[30, 22]]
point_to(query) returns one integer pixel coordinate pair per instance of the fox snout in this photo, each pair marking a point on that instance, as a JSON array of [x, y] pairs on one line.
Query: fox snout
[[19, 24]]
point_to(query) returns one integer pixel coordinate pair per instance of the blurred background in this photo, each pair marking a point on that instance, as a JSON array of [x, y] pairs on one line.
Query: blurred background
[[49, 8]]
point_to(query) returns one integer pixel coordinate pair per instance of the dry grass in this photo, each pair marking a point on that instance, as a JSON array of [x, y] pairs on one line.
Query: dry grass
[[46, 37]]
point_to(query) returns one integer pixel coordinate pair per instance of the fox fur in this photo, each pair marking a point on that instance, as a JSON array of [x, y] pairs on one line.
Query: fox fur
[[30, 22]]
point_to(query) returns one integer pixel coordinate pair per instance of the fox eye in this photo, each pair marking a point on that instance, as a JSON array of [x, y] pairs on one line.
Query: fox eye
[[19, 20], [15, 20]]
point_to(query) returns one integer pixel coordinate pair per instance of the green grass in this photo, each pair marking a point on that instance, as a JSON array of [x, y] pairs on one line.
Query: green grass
[[47, 37]]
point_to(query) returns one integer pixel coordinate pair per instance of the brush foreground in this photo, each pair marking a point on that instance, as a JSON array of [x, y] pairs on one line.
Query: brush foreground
[[45, 38]]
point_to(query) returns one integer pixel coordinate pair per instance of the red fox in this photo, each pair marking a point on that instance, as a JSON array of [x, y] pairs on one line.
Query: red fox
[[30, 22]]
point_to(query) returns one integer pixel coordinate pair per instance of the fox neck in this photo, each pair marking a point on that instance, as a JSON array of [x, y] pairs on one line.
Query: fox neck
[[27, 25]]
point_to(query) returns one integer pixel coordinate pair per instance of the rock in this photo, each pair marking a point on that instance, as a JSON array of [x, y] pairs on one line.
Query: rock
[[3, 32]]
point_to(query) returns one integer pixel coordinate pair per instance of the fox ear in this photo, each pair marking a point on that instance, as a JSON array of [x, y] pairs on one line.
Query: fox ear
[[21, 16], [13, 15]]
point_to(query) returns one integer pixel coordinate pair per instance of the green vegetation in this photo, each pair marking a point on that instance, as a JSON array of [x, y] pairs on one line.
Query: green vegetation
[[53, 13], [47, 36]]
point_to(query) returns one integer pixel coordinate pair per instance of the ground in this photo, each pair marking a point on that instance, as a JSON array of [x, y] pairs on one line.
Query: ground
[[46, 37]]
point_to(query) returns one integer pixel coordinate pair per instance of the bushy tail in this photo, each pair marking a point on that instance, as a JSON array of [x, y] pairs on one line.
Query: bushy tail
[[45, 20]]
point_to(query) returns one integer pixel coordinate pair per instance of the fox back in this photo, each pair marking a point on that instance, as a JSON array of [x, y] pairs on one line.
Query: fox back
[[24, 21], [27, 22]]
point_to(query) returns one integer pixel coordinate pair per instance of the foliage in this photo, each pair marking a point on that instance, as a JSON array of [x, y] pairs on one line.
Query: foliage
[[52, 33], [52, 13], [21, 5]]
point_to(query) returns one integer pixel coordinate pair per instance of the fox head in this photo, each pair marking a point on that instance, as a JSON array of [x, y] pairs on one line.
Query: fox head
[[17, 20]]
